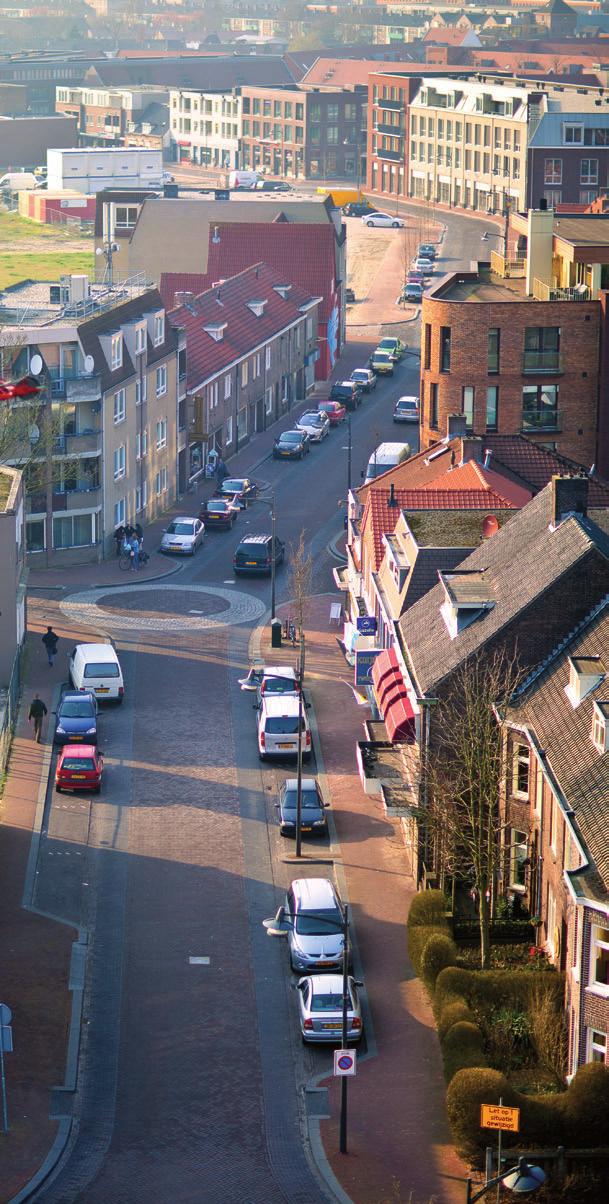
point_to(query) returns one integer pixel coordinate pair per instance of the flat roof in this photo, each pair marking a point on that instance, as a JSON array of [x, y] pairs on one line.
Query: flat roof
[[484, 286]]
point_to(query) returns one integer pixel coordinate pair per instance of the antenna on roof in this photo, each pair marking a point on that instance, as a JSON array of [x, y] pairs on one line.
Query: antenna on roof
[[218, 298], [215, 236]]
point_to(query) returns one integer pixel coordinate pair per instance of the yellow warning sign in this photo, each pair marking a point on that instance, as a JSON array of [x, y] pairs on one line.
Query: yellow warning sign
[[493, 1116]]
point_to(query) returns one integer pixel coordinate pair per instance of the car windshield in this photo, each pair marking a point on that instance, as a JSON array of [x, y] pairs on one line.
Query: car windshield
[[310, 801], [382, 357], [327, 1002], [233, 486], [76, 710], [278, 685], [105, 669], [359, 374], [282, 725], [217, 507], [312, 925], [406, 405], [180, 529], [80, 764], [290, 437], [388, 344], [311, 419]]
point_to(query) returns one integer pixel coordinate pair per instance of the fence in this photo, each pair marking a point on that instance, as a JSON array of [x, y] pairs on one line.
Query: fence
[[9, 705]]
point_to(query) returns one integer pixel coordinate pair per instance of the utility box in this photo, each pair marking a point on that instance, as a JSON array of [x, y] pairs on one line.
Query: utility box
[[275, 633]]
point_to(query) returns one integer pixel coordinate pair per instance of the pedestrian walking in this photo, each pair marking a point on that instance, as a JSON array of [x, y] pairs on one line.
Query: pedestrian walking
[[50, 641], [135, 554], [37, 713], [129, 532], [139, 531], [221, 472], [119, 536]]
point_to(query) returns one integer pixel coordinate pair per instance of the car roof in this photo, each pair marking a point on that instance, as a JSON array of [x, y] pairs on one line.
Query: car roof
[[254, 539], [78, 750], [314, 892], [326, 984], [99, 651], [185, 518], [409, 397], [279, 671], [76, 696], [307, 784], [281, 704]]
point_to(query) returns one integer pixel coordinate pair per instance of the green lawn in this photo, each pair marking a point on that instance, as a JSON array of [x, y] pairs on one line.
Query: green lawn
[[15, 228], [43, 265]]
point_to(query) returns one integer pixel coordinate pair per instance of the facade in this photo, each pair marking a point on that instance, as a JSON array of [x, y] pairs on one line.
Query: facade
[[24, 141], [389, 98], [206, 128], [13, 576], [252, 346], [92, 170], [568, 158], [111, 117], [294, 133], [112, 422], [517, 345]]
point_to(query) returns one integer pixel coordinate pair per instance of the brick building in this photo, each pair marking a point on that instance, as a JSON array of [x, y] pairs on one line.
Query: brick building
[[295, 133], [112, 117], [517, 345], [568, 157]]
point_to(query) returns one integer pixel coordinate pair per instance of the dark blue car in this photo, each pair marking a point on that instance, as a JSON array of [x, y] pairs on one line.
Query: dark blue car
[[76, 719]]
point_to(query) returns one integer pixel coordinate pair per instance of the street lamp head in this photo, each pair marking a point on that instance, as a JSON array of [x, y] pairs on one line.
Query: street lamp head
[[524, 1178], [278, 925]]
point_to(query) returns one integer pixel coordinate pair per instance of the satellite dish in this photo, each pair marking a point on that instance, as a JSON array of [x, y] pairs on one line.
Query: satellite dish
[[33, 433], [490, 526], [36, 365], [89, 363]]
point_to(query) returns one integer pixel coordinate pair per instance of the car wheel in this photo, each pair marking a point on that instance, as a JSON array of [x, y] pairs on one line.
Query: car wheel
[[396, 225], [58, 789], [369, 223]]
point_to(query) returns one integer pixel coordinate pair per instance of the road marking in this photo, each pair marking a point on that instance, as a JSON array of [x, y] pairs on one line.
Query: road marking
[[199, 961], [229, 581], [196, 612]]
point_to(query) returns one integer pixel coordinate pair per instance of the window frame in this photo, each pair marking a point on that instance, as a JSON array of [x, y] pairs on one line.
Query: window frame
[[161, 380], [119, 413]]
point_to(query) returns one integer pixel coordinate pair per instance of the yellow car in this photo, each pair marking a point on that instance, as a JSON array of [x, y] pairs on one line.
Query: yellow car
[[382, 363]]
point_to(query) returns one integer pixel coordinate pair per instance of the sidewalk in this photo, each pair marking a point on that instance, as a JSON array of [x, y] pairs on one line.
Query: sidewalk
[[398, 1137]]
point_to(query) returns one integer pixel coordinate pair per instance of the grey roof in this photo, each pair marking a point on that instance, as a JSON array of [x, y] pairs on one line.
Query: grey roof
[[549, 130], [111, 319], [526, 565], [429, 562], [563, 732], [212, 73]]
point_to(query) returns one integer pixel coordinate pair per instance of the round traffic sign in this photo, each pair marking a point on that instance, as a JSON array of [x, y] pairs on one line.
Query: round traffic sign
[[345, 1061]]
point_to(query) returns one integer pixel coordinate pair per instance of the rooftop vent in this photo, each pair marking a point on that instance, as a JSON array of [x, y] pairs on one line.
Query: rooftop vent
[[215, 330], [585, 674]]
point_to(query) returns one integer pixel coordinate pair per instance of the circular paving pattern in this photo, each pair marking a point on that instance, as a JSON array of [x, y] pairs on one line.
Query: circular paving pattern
[[161, 607]]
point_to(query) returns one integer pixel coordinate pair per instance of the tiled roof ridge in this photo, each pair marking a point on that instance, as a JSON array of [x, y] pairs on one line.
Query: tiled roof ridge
[[559, 648]]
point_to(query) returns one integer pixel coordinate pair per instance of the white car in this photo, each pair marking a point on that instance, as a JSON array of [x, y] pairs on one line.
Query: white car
[[183, 535], [424, 266], [320, 1005], [314, 424], [383, 219]]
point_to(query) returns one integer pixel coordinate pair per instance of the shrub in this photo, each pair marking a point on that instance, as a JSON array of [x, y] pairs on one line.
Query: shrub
[[548, 1027], [438, 952], [451, 1014], [426, 917], [506, 1031], [586, 1106], [466, 1092], [462, 1048]]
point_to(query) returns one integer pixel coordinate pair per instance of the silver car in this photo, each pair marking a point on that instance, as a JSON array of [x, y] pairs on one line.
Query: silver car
[[183, 535], [320, 1005], [315, 424]]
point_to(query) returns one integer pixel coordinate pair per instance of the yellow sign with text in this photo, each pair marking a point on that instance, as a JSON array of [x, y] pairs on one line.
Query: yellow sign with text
[[493, 1116]]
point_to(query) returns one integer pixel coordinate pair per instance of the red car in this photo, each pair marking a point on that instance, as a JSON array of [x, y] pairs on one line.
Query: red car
[[334, 410], [79, 767]]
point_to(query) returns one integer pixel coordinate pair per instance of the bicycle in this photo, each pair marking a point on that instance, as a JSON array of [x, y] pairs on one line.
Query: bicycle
[[124, 562]]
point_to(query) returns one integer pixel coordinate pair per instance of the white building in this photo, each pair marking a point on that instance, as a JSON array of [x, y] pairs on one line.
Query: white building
[[90, 170], [205, 128]]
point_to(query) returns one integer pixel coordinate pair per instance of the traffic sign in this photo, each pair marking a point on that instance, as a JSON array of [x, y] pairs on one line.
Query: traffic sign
[[494, 1116], [366, 624], [344, 1062], [363, 665]]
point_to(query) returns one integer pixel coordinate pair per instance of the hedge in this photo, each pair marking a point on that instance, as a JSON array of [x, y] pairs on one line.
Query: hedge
[[438, 952], [426, 918]]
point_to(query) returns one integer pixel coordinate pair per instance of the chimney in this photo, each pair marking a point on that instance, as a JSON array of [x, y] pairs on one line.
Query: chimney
[[488, 455], [569, 496], [471, 449], [539, 247], [392, 501], [456, 425], [183, 297]]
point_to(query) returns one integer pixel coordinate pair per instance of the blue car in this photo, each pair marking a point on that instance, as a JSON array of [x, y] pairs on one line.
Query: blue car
[[76, 719]]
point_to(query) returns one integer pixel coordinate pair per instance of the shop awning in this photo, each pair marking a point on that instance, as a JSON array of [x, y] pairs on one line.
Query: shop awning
[[399, 720], [392, 697], [386, 663]]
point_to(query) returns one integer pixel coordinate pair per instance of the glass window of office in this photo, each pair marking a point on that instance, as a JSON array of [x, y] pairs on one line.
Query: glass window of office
[[467, 405]]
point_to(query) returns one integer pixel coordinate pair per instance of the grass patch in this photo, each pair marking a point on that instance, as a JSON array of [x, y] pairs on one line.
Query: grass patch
[[14, 228], [46, 265]]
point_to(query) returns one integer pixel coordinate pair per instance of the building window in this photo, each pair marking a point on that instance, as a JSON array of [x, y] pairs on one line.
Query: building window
[[159, 329], [229, 430], [256, 365], [427, 346], [553, 197], [141, 389], [244, 373], [493, 352], [228, 384], [433, 405], [141, 497], [119, 462], [445, 339], [540, 408], [119, 406], [73, 531], [599, 730], [541, 349], [588, 171], [552, 172], [140, 339], [161, 380], [241, 424], [116, 351], [573, 135], [138, 446], [212, 395], [599, 958], [521, 770], [35, 535], [161, 434], [119, 512], [518, 857], [587, 195], [492, 407], [125, 217], [597, 1046], [267, 356], [467, 405]]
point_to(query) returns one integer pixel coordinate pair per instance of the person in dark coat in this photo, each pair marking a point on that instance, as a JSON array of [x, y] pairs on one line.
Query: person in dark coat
[[37, 713], [50, 641], [119, 536]]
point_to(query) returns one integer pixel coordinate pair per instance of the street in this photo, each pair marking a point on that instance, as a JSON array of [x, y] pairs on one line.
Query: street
[[193, 1072]]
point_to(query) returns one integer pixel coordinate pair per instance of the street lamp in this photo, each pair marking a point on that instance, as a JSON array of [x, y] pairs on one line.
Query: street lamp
[[521, 1179], [348, 448], [280, 925]]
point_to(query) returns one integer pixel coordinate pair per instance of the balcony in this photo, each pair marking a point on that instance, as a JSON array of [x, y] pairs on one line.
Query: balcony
[[507, 268], [81, 498], [396, 106], [394, 156], [543, 292], [395, 131], [542, 361], [536, 421], [78, 445], [75, 386]]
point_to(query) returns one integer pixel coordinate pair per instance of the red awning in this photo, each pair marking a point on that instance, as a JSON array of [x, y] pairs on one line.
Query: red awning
[[386, 663], [390, 684], [399, 720], [394, 691]]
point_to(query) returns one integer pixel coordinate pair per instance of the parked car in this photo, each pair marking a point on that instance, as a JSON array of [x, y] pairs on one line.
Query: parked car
[[291, 445], [410, 292], [278, 720], [335, 411], [315, 915], [314, 424], [347, 392], [76, 717], [240, 490], [394, 347], [183, 535], [425, 266], [278, 679], [364, 378], [320, 1006], [406, 409], [415, 278], [253, 555], [426, 250], [382, 363], [349, 296], [313, 817], [273, 186], [96, 669], [383, 219], [358, 209], [79, 767], [218, 513]]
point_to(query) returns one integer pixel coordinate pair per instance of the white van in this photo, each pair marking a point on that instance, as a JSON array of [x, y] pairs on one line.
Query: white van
[[17, 181], [384, 457], [96, 668], [243, 179], [278, 727]]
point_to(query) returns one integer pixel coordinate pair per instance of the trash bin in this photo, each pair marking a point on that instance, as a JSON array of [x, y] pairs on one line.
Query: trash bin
[[275, 633]]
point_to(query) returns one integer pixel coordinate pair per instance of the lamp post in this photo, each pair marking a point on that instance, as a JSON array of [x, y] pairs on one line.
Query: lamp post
[[521, 1179], [348, 448], [280, 925]]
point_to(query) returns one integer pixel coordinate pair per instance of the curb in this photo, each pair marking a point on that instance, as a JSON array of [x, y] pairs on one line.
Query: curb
[[112, 584]]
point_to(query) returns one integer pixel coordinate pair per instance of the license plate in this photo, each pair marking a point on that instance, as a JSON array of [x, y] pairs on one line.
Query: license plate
[[326, 964], [73, 739], [286, 453], [78, 777], [175, 547], [102, 690], [330, 1026], [252, 563], [289, 745], [305, 828]]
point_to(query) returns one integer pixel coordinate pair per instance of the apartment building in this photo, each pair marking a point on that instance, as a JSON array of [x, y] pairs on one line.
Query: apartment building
[[296, 133], [568, 156], [113, 117], [252, 347], [206, 128], [111, 425], [13, 577]]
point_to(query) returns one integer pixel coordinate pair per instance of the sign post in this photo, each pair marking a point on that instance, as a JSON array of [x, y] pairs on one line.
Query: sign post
[[493, 1116], [344, 1063], [6, 1043]]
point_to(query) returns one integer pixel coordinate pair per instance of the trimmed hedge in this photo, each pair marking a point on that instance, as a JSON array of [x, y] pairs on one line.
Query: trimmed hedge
[[438, 952], [500, 930], [426, 918]]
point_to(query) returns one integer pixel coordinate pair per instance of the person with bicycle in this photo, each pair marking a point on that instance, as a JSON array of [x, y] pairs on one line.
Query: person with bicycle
[[119, 536]]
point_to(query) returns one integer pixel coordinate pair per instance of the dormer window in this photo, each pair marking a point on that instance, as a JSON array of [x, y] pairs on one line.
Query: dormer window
[[215, 330], [257, 307], [585, 674], [159, 329], [600, 715], [140, 339], [283, 290], [467, 598], [116, 351]]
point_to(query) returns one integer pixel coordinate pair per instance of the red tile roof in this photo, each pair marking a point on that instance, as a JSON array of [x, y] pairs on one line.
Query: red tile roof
[[473, 477], [346, 73], [300, 252], [228, 303]]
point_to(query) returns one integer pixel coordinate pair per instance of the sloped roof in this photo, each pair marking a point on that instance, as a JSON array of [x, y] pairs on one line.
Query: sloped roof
[[344, 73], [564, 733], [228, 304], [535, 465], [302, 253], [521, 564], [89, 332], [208, 72]]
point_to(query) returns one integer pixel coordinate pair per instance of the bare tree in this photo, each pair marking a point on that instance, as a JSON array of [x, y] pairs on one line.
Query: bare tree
[[300, 575], [466, 764]]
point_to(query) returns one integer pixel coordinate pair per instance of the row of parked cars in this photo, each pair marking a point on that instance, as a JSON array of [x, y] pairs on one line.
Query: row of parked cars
[[421, 268], [253, 554], [95, 676]]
